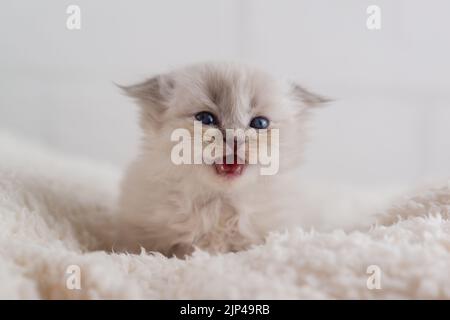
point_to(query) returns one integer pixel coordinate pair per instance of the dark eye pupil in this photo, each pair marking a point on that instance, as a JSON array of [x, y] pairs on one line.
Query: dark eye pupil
[[259, 123], [207, 118]]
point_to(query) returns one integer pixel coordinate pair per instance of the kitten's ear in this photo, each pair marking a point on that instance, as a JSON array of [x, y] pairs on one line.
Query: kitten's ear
[[152, 95], [307, 97]]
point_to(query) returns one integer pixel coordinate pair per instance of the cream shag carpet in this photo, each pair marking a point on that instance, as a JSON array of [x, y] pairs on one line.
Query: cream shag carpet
[[55, 213]]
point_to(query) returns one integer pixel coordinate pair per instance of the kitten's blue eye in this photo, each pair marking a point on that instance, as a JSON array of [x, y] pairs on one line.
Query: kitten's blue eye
[[259, 123], [207, 118]]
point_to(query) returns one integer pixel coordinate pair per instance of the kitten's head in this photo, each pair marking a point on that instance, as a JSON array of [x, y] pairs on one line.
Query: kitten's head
[[222, 97]]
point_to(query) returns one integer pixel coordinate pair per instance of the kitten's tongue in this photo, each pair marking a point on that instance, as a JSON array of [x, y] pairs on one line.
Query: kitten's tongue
[[229, 169]]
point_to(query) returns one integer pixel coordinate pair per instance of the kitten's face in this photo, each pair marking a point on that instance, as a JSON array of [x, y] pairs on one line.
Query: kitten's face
[[223, 97]]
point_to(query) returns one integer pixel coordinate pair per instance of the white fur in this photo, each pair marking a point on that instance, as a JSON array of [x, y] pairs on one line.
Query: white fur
[[56, 212]]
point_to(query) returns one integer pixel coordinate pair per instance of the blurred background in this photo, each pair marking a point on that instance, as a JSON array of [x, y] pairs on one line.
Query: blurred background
[[389, 124]]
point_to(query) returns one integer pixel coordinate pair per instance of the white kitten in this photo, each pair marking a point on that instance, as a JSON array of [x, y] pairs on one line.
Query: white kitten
[[173, 208]]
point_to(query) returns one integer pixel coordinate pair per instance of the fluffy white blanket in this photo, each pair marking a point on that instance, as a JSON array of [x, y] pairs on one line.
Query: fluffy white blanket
[[55, 213]]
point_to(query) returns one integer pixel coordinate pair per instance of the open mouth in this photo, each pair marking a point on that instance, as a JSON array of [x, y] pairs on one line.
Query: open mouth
[[229, 170]]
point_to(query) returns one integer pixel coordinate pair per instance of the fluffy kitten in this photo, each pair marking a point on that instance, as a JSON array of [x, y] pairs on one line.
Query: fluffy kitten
[[174, 208]]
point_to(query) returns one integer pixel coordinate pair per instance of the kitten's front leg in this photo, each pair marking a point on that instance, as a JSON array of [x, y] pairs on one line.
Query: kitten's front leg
[[180, 250]]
